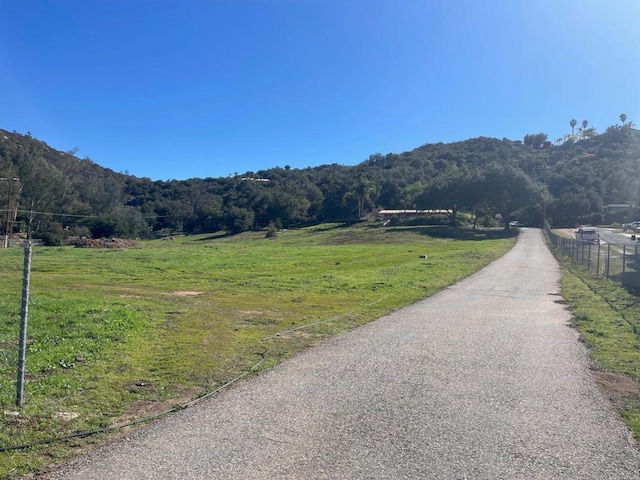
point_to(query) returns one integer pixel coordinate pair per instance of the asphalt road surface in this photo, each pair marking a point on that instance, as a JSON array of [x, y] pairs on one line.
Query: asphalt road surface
[[485, 380], [616, 236]]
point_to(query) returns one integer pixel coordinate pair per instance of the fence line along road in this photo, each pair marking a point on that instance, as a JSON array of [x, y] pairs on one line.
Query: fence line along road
[[485, 380], [616, 261]]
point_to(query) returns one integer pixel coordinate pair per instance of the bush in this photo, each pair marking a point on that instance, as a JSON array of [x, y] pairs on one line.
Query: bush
[[488, 221], [238, 220], [272, 230], [54, 235], [597, 219]]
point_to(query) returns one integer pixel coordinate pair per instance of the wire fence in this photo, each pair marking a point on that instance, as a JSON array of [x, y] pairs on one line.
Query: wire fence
[[617, 262], [11, 273]]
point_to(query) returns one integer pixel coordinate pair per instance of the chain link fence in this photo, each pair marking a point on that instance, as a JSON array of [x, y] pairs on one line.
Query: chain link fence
[[617, 262]]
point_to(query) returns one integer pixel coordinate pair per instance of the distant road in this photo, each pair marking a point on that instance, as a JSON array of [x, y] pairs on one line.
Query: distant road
[[485, 380], [616, 236]]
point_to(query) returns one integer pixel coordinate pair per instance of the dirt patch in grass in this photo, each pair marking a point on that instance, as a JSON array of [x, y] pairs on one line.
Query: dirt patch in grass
[[566, 232], [187, 293], [616, 387], [105, 243], [248, 313], [150, 408]]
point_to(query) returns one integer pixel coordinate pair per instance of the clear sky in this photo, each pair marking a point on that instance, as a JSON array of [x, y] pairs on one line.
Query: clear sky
[[171, 89]]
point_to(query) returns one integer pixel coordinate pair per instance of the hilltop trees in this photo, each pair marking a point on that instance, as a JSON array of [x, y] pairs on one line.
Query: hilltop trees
[[588, 132], [73, 196], [623, 120], [583, 132], [583, 128], [537, 140]]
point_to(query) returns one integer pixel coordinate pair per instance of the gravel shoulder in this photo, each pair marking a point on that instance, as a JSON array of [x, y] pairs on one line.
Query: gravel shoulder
[[484, 380]]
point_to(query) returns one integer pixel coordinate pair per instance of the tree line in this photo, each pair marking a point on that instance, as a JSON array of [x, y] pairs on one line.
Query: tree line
[[58, 195]]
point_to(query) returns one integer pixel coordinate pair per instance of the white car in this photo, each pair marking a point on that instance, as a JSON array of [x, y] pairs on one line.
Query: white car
[[631, 226], [587, 234]]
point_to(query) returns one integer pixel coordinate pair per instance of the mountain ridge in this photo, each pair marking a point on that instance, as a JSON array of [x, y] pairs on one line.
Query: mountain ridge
[[574, 180]]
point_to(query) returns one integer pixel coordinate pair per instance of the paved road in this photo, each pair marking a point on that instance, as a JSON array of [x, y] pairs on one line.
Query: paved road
[[483, 381], [616, 236]]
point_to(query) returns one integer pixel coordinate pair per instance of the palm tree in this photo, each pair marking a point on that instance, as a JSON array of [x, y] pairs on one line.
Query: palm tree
[[409, 194], [584, 128], [623, 118], [361, 191], [573, 124]]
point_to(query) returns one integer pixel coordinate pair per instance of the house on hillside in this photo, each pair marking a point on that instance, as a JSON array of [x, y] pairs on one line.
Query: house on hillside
[[616, 207]]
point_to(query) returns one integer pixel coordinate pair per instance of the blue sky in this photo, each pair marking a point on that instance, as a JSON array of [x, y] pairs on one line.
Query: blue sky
[[193, 88]]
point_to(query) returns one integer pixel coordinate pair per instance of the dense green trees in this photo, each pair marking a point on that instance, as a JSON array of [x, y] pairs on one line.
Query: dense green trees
[[537, 140], [62, 195], [451, 191], [511, 192]]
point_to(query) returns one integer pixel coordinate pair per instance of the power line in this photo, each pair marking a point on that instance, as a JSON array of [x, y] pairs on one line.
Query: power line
[[53, 214]]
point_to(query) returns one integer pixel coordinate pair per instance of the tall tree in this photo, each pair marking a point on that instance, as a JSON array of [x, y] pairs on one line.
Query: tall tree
[[362, 193], [508, 189], [623, 118], [573, 124], [409, 194], [451, 191], [569, 208]]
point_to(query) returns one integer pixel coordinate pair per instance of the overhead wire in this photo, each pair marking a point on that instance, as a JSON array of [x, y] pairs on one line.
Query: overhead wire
[[54, 214]]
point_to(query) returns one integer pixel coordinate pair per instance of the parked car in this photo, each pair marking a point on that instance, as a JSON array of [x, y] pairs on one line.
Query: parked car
[[635, 226], [587, 234], [514, 223]]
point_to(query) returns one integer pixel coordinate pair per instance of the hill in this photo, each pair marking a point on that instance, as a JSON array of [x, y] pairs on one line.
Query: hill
[[58, 194]]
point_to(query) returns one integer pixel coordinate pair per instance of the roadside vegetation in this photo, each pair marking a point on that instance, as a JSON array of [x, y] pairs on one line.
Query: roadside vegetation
[[117, 335], [608, 318]]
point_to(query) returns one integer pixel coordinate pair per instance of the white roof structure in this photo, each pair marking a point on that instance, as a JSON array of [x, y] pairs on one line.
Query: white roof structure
[[412, 212]]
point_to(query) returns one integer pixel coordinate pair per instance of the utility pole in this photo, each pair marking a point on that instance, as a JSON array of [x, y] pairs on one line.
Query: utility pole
[[8, 224]]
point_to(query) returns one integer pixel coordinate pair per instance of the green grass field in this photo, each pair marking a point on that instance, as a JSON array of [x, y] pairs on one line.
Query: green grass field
[[120, 334]]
